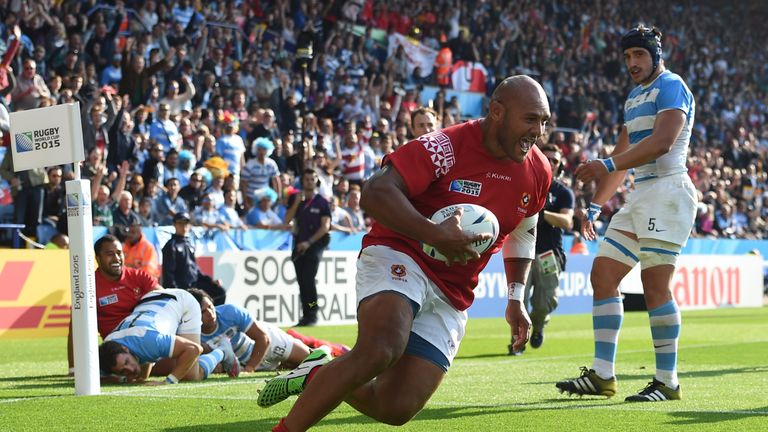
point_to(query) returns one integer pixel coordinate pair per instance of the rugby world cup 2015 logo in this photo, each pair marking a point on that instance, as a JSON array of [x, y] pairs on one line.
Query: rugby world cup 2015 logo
[[73, 200], [24, 142]]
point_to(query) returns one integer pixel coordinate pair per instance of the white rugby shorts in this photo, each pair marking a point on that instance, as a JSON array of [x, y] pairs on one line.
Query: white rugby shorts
[[662, 209], [381, 269], [279, 349]]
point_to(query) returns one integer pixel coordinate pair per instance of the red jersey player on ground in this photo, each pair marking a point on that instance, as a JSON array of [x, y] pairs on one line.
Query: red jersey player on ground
[[412, 309]]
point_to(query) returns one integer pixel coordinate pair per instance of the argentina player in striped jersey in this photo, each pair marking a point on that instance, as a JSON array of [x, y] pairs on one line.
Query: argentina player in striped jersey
[[163, 324], [653, 225], [259, 346]]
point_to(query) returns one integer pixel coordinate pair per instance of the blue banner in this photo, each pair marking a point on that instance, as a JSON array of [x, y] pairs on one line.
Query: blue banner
[[574, 293]]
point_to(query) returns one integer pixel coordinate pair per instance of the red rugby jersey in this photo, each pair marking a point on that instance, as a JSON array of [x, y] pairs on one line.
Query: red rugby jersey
[[115, 299], [451, 166]]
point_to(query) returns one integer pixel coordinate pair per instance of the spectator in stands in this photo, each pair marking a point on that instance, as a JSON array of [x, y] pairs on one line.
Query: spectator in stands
[[261, 171], [54, 204], [123, 215], [113, 73], [146, 214], [340, 219], [423, 120], [138, 252], [359, 221], [192, 193], [164, 131], [352, 163], [180, 267], [136, 78], [154, 166], [168, 203], [228, 211], [97, 122], [207, 215], [261, 215], [311, 217], [179, 101], [30, 88], [231, 148], [121, 144]]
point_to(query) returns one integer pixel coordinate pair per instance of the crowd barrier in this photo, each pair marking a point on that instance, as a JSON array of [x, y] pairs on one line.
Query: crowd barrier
[[35, 296]]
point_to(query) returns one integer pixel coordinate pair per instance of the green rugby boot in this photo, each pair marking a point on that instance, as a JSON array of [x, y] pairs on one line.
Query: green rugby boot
[[292, 383]]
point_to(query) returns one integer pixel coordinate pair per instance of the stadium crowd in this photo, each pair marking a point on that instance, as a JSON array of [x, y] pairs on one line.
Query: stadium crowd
[[216, 108]]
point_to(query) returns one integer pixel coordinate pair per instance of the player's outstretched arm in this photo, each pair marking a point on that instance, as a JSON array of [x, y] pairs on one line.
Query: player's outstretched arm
[[385, 198], [260, 346]]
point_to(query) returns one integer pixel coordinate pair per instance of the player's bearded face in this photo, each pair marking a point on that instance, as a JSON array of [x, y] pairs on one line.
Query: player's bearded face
[[639, 64]]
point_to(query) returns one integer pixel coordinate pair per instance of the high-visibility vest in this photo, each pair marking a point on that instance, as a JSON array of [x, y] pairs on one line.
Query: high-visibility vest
[[443, 64]]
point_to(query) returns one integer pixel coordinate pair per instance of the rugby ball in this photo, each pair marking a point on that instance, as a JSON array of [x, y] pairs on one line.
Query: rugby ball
[[475, 219]]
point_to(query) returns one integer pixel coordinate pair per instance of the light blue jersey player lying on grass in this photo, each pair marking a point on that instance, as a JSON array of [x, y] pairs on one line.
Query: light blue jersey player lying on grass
[[259, 346], [163, 324]]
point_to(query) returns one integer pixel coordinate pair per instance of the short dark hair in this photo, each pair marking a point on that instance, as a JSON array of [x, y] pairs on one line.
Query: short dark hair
[[199, 295], [108, 352], [107, 238]]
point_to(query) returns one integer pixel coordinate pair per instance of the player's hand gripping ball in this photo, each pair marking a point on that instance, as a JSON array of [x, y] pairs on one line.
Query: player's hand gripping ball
[[476, 219]]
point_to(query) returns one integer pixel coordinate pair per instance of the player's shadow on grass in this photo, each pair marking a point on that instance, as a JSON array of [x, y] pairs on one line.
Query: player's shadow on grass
[[721, 372], [51, 378], [484, 356], [267, 425], [694, 417]]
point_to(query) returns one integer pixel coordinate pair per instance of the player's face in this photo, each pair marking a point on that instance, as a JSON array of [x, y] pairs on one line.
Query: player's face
[[208, 312], [639, 64], [110, 260], [523, 124], [424, 123], [126, 365]]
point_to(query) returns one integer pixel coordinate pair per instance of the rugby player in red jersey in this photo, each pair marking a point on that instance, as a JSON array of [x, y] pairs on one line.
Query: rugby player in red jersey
[[412, 308]]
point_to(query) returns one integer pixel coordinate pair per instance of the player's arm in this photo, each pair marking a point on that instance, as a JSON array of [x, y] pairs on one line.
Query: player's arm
[[560, 219], [518, 251], [385, 198], [186, 353], [261, 339], [606, 187], [666, 129]]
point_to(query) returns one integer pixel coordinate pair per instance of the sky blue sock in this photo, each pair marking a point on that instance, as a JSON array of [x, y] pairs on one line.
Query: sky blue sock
[[209, 361], [665, 330]]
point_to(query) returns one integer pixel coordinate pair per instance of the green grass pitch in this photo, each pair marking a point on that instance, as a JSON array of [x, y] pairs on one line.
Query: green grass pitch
[[723, 369]]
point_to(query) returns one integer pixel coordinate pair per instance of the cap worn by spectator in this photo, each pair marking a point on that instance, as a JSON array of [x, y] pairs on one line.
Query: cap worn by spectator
[[181, 217]]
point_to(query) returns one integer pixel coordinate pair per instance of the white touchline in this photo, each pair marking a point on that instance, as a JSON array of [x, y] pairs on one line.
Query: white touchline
[[619, 406]]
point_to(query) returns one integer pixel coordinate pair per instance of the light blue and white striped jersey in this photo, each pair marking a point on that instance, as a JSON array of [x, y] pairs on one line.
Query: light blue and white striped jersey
[[668, 91], [149, 331], [232, 322]]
